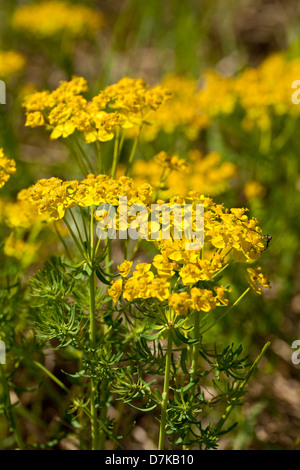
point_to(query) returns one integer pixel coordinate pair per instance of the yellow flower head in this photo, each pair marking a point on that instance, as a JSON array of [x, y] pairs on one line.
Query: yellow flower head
[[257, 279], [7, 168], [115, 290], [65, 110], [179, 302], [125, 268], [49, 18], [11, 62]]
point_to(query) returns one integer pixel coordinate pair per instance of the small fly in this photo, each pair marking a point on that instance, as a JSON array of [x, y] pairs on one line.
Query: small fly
[[267, 239]]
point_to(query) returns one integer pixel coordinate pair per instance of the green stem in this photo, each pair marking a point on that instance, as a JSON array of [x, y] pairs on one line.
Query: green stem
[[62, 241], [76, 158], [75, 238], [92, 233], [55, 379], [108, 254], [265, 141], [77, 227], [132, 154], [116, 154], [194, 365], [93, 388], [10, 410], [84, 224], [99, 157], [165, 395], [195, 346], [97, 246], [85, 157]]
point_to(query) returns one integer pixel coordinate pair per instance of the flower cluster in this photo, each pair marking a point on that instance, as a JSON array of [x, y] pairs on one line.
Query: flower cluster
[[202, 300], [144, 284], [176, 275], [216, 95], [260, 92], [172, 162], [54, 196], [7, 168], [253, 190], [125, 104], [174, 175], [23, 251], [266, 91], [181, 112], [50, 17], [11, 62]]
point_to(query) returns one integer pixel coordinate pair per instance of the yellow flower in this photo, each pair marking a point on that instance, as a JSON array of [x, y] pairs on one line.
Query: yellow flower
[[173, 162], [159, 289], [11, 62], [23, 251], [52, 197], [35, 119], [125, 268], [115, 290], [50, 17], [7, 168], [202, 299], [138, 286], [207, 172], [165, 269], [179, 302], [256, 278], [180, 112], [190, 274], [253, 189], [119, 106], [22, 214], [141, 269]]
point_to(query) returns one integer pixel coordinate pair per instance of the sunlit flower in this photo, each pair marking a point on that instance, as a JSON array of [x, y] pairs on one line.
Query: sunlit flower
[[7, 168]]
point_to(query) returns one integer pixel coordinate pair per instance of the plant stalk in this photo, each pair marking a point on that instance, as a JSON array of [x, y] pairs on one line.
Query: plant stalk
[[165, 395], [10, 410]]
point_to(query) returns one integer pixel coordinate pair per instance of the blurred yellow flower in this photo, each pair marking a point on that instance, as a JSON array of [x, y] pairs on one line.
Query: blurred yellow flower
[[11, 62], [7, 168], [253, 189], [50, 17], [257, 279]]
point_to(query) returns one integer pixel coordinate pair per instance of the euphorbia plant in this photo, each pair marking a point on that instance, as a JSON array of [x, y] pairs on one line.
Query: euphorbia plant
[[148, 318]]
